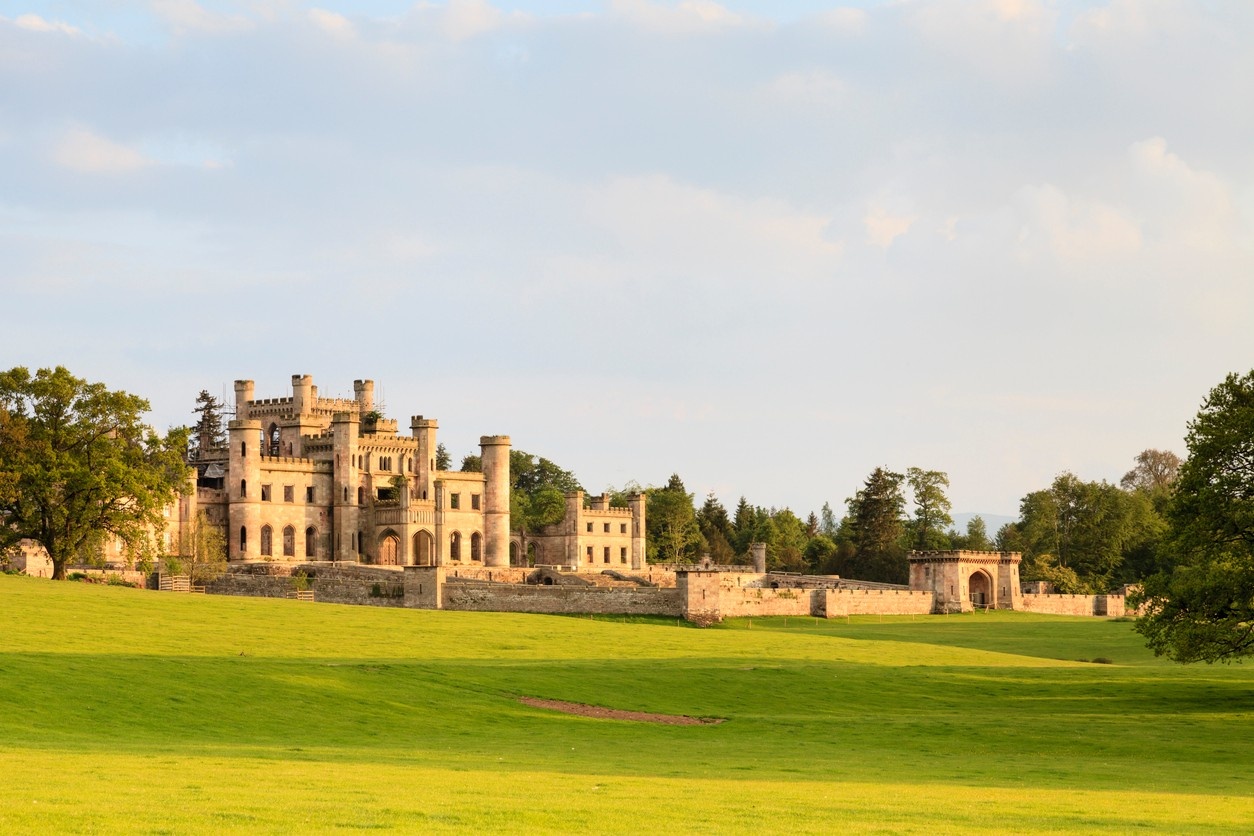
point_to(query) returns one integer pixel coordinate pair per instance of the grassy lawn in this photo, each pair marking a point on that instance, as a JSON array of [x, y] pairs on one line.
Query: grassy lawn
[[123, 710]]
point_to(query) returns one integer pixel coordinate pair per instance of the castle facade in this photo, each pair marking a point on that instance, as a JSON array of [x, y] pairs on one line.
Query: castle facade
[[304, 478]]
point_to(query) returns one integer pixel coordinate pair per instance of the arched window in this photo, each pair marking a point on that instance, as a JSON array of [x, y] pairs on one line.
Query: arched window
[[455, 546], [311, 542], [243, 539], [267, 538], [243, 488], [476, 546], [243, 449], [361, 496], [274, 440], [289, 541]]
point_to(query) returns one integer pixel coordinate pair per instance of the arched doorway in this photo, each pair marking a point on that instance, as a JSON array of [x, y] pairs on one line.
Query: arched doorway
[[424, 545], [980, 588], [389, 549], [513, 552]]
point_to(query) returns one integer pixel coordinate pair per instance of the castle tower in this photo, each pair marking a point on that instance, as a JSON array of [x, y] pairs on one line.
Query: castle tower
[[243, 531], [345, 512], [244, 392], [364, 391], [424, 429], [758, 552], [302, 394], [494, 453], [639, 557]]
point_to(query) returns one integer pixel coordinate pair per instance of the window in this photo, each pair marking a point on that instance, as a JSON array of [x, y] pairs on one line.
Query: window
[[605, 558], [454, 501], [622, 555], [589, 554], [476, 546], [474, 501], [311, 541], [274, 440], [265, 493], [289, 542], [607, 528], [243, 449], [361, 496], [589, 528], [622, 528], [243, 539], [243, 488], [289, 493], [309, 494], [455, 545], [346, 494], [267, 538]]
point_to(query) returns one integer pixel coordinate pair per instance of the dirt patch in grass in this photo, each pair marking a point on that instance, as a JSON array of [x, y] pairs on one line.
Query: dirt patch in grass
[[602, 713]]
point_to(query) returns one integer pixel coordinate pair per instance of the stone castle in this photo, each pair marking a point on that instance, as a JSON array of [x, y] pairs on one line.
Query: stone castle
[[306, 478], [326, 493]]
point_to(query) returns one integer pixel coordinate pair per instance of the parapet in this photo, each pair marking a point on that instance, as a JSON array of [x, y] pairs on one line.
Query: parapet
[[493, 440]]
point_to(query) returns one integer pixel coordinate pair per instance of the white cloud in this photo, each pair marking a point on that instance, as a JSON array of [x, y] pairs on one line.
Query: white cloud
[[1191, 206], [82, 150], [687, 17], [882, 228], [815, 87], [332, 23], [186, 16], [701, 233], [847, 21], [35, 23], [1005, 41], [1073, 230]]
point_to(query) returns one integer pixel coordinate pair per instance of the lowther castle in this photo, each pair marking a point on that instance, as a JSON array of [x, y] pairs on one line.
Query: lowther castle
[[324, 498]]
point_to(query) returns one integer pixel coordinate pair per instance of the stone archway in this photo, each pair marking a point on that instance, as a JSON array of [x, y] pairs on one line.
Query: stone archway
[[424, 548], [980, 589], [389, 549]]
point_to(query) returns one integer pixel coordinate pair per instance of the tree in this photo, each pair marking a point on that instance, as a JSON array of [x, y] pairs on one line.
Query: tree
[[828, 524], [716, 528], [876, 528], [472, 463], [673, 533], [977, 535], [931, 508], [201, 551], [77, 463], [1203, 608], [537, 496], [443, 461], [1155, 472], [208, 431]]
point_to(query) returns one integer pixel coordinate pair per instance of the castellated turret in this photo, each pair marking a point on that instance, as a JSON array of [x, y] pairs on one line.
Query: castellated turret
[[244, 392], [364, 391], [302, 393], [494, 454], [244, 488]]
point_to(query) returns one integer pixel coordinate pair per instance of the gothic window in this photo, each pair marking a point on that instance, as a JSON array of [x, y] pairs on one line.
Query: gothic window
[[243, 539], [476, 546], [274, 440], [267, 541], [311, 542], [361, 496], [455, 546], [243, 488], [289, 542]]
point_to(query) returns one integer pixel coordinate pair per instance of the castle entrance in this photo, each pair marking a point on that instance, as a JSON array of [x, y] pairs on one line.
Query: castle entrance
[[980, 586], [424, 545], [389, 550]]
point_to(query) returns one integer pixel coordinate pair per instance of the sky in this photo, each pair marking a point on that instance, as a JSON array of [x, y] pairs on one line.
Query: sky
[[767, 246]]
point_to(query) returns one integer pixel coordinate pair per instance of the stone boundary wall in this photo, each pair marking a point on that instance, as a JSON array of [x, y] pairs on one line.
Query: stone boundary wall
[[1113, 606], [476, 597], [838, 603], [750, 601], [348, 584]]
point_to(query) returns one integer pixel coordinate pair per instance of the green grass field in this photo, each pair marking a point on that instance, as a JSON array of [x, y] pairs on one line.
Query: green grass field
[[123, 710]]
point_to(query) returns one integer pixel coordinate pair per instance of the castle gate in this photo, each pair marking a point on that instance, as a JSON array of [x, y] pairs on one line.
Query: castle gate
[[980, 587], [389, 549]]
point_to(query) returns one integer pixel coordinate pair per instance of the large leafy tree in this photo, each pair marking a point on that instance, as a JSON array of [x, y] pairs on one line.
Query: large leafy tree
[[673, 533], [1203, 609], [538, 488], [77, 464], [931, 509]]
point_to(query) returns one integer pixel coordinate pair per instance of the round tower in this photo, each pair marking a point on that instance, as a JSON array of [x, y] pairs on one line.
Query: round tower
[[302, 393], [243, 487], [244, 390], [758, 552], [494, 453]]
